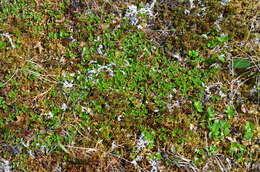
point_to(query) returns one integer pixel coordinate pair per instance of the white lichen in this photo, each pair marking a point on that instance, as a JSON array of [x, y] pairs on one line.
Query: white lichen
[[155, 165], [138, 158], [142, 143], [49, 115], [119, 118], [224, 2], [99, 50], [113, 146], [186, 11], [64, 107], [139, 26], [68, 84], [132, 14], [5, 165], [178, 57], [192, 5], [95, 72], [7, 35], [133, 11]]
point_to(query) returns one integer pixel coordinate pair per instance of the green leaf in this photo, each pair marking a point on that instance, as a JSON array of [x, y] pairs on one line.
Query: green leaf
[[223, 39], [226, 131], [211, 113], [241, 63], [158, 156], [236, 147], [193, 53], [198, 105], [230, 111], [2, 44], [249, 126], [225, 124], [213, 149], [212, 44], [248, 135], [63, 148], [221, 58]]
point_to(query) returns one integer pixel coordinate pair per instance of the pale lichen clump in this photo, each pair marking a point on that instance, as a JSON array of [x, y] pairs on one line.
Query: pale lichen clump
[[5, 165], [133, 13]]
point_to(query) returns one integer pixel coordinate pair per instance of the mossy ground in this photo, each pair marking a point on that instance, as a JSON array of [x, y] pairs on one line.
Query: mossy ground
[[81, 88]]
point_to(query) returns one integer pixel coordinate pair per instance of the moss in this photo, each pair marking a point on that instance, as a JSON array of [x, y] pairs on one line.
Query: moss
[[80, 81]]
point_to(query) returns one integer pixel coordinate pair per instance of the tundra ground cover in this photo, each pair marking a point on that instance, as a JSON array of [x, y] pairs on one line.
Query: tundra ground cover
[[129, 86]]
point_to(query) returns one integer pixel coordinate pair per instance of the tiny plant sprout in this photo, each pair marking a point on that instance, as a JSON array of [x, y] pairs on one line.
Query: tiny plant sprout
[[211, 113], [198, 106], [221, 58], [249, 130], [230, 111], [193, 53]]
